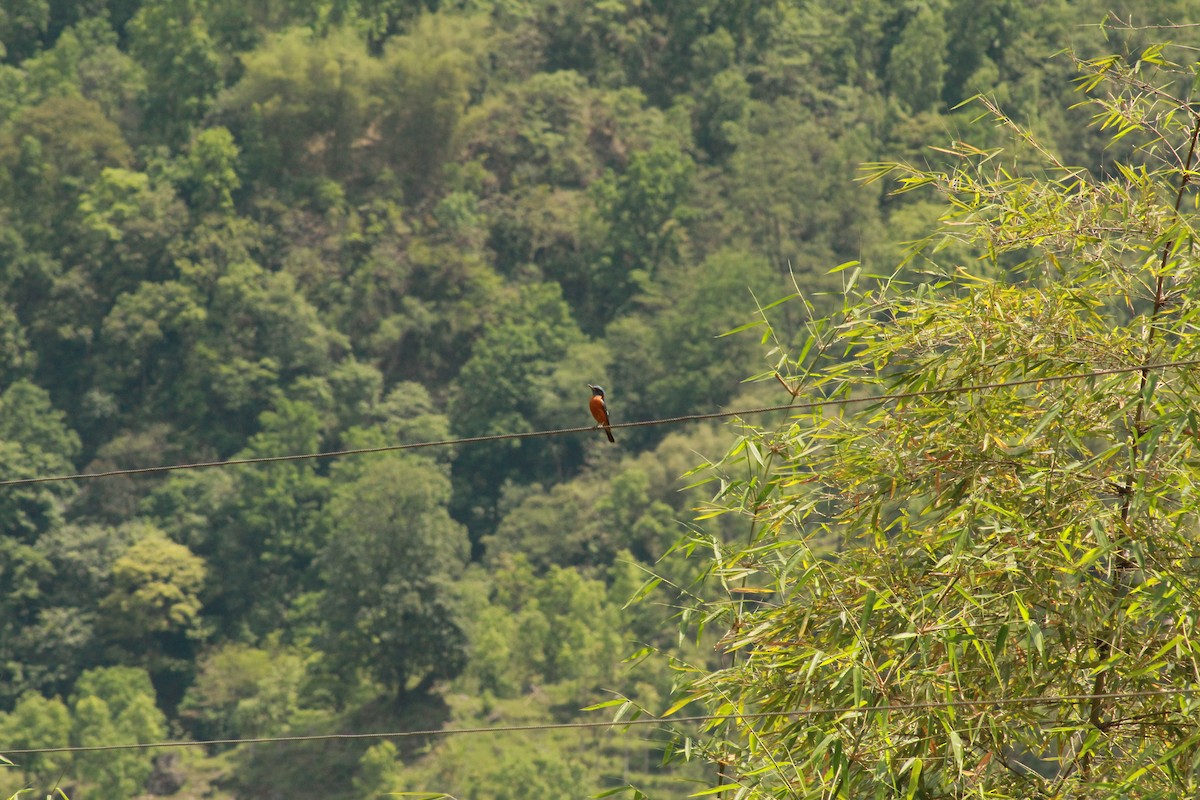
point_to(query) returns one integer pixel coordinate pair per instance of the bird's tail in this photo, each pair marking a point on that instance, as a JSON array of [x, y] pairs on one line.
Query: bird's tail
[[608, 431]]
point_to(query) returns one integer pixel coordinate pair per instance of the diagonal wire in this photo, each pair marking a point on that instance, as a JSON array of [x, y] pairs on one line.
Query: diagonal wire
[[794, 406], [641, 721]]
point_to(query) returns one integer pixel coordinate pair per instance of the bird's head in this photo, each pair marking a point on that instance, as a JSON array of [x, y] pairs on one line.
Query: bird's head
[[597, 391]]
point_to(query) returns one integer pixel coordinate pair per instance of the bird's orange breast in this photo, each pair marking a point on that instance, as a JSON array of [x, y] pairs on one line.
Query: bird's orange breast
[[598, 409]]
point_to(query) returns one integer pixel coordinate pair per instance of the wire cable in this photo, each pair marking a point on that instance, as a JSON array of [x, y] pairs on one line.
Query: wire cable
[[801, 712], [794, 406]]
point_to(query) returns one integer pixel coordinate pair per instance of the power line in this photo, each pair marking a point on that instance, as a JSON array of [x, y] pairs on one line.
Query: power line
[[839, 401], [802, 712]]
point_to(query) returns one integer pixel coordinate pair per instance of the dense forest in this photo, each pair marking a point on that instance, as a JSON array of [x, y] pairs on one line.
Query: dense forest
[[232, 230]]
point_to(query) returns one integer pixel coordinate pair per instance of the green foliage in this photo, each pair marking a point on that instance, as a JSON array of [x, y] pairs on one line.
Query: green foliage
[[50, 153], [112, 501], [376, 770], [110, 777], [155, 589], [33, 723], [990, 545], [208, 174], [215, 344], [582, 628], [303, 104], [720, 112], [547, 526], [388, 606], [409, 414], [566, 763], [127, 220], [503, 389], [779, 217], [555, 628], [27, 418], [87, 61], [584, 522], [554, 129], [262, 528], [425, 88], [234, 229], [21, 26], [917, 63], [643, 214], [243, 691], [110, 706], [525, 774], [322, 104], [35, 441], [23, 570], [416, 302], [55, 585], [675, 360], [170, 39]]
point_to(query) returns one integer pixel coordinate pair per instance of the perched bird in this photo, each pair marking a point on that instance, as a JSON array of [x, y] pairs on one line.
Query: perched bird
[[599, 410]]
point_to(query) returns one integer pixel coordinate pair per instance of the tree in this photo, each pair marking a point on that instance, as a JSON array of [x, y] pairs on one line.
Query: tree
[[550, 525], [568, 630], [114, 705], [555, 128], [183, 69], [527, 774], [215, 344], [500, 390], [999, 581], [141, 340], [303, 104], [376, 770], [119, 498], [261, 526], [643, 212], [917, 64], [155, 589], [35, 441], [388, 604], [425, 89], [50, 154], [243, 691], [34, 723], [583, 522], [74, 569], [129, 224], [22, 25], [816, 214], [417, 302], [674, 358], [86, 61], [16, 357], [722, 108], [584, 629], [151, 614], [208, 175], [984, 33], [23, 570]]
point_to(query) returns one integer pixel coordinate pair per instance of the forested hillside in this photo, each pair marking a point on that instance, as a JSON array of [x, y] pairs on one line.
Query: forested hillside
[[234, 229]]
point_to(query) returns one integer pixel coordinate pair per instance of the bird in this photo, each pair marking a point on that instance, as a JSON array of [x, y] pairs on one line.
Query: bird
[[599, 410]]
